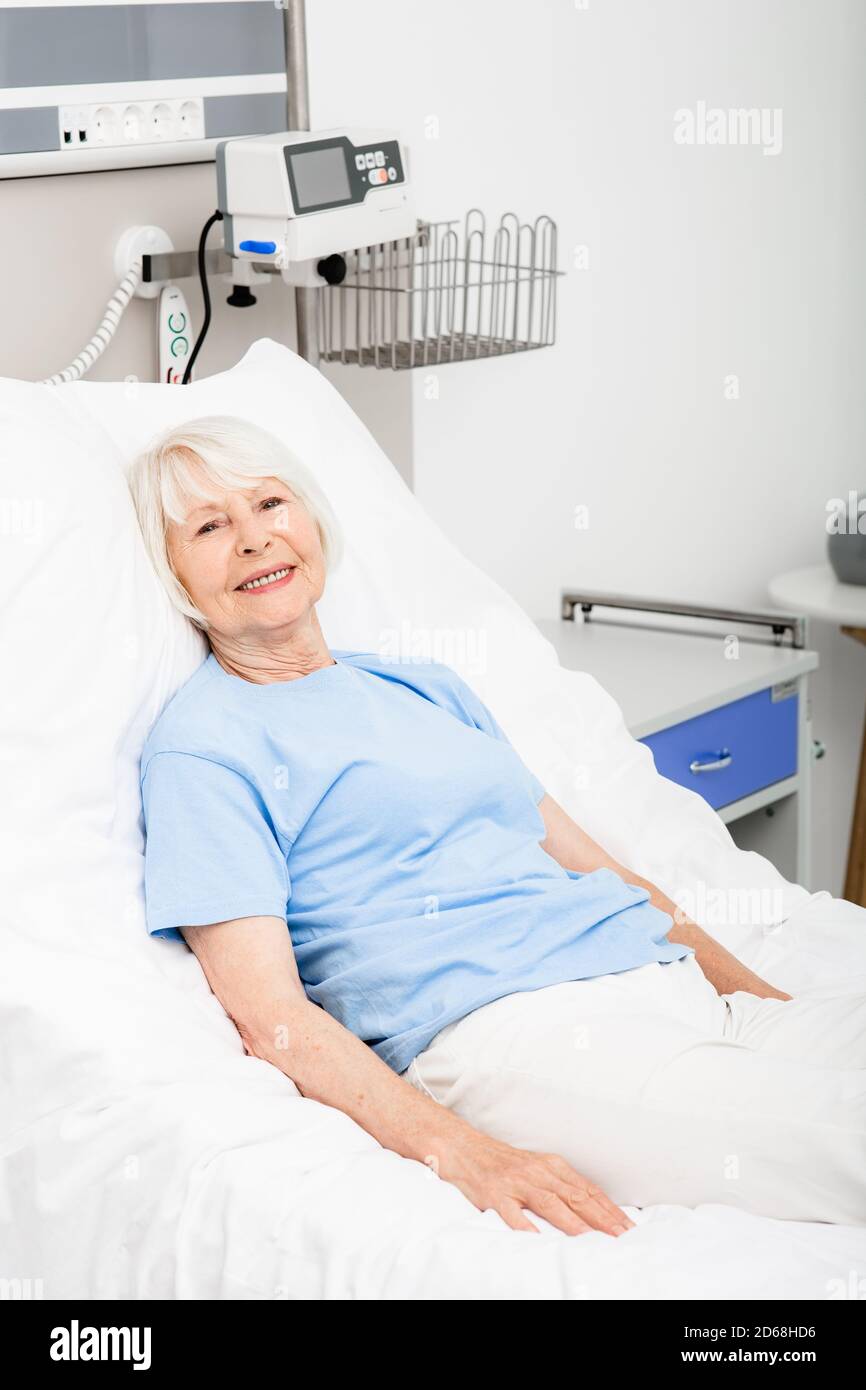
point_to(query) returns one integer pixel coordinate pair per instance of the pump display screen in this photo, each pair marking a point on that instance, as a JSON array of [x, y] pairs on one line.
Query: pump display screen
[[321, 176]]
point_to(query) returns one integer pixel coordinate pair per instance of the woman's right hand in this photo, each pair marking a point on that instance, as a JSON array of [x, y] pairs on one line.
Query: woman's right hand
[[494, 1175]]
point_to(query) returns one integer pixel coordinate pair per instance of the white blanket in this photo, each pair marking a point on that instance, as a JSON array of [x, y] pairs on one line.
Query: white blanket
[[143, 1153]]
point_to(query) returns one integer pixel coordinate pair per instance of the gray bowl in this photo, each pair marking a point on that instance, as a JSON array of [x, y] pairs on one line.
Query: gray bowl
[[846, 550]]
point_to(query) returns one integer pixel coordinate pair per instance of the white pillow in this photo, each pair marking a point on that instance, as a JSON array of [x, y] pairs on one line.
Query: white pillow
[[93, 651]]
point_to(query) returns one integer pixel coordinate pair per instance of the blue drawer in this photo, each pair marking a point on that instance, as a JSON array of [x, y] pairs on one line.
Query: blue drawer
[[754, 738]]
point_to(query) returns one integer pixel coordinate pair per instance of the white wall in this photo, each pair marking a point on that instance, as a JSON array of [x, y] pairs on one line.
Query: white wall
[[703, 262]]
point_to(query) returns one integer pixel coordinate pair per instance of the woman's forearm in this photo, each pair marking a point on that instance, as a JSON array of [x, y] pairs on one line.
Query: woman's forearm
[[250, 966], [330, 1064], [571, 847], [724, 971]]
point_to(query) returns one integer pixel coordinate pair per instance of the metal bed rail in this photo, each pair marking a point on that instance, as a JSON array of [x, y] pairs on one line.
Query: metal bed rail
[[780, 623]]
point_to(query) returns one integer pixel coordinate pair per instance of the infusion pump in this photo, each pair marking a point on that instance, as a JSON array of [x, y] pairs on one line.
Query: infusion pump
[[298, 196]]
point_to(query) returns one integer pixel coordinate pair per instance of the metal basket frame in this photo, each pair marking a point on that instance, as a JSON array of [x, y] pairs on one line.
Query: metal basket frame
[[425, 301]]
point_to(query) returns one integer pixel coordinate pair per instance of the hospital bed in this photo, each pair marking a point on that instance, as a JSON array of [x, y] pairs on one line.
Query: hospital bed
[[144, 1154]]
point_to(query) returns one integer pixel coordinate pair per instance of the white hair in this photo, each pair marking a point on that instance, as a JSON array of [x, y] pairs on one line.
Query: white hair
[[231, 451]]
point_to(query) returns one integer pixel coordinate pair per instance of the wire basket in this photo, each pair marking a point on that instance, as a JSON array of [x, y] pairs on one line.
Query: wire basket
[[427, 300]]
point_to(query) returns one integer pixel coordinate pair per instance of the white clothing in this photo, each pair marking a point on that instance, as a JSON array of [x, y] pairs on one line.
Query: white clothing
[[660, 1090]]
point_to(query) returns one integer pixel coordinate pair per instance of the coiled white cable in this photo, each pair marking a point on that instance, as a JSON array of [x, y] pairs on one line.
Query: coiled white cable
[[105, 332]]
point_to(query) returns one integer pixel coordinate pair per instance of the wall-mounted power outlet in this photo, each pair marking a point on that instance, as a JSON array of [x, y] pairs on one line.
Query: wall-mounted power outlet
[[134, 243], [112, 124]]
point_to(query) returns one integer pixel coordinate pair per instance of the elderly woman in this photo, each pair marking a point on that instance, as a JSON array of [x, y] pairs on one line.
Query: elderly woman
[[393, 912]]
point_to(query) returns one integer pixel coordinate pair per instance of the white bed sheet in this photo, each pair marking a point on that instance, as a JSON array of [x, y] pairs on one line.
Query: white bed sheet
[[143, 1153], [170, 1165]]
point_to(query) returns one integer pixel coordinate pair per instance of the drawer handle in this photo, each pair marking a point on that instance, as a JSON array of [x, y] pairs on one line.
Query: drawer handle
[[714, 763]]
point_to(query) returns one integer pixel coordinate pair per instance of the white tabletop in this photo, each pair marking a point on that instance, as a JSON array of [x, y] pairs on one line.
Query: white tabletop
[[817, 592], [660, 677]]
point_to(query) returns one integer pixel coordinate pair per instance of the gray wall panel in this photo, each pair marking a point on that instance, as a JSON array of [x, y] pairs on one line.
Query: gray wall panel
[[257, 113], [50, 45], [28, 130]]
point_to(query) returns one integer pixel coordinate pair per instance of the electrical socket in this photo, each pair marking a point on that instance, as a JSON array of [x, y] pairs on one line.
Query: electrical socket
[[105, 123], [140, 241]]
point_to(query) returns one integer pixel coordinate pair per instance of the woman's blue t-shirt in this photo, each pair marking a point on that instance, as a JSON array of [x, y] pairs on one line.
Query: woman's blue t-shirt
[[380, 810]]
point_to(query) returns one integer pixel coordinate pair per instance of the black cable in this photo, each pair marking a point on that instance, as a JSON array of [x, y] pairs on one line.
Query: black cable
[[205, 294]]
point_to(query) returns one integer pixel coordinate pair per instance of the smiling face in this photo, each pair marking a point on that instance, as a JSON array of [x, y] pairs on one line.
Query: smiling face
[[228, 541]]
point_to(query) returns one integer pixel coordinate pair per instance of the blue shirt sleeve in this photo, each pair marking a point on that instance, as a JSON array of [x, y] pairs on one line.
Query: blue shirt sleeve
[[211, 853], [478, 714]]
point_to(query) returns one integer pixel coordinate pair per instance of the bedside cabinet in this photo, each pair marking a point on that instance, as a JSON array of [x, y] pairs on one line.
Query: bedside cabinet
[[725, 714]]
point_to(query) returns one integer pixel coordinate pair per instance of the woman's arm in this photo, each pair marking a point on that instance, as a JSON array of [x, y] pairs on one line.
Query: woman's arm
[[250, 965], [573, 849]]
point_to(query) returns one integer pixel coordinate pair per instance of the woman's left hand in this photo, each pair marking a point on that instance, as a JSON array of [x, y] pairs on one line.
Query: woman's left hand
[[767, 992], [753, 984]]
